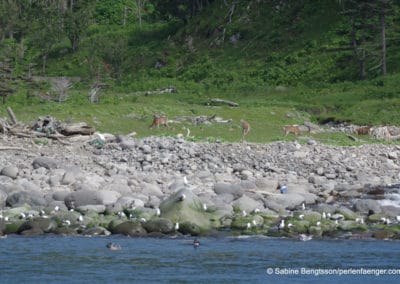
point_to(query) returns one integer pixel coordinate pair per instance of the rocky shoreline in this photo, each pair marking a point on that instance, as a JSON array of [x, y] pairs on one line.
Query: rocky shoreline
[[160, 186]]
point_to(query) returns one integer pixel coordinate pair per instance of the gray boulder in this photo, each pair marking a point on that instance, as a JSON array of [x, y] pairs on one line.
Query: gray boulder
[[227, 188], [45, 162], [284, 201], [19, 198], [161, 225], [10, 171], [129, 228], [247, 203], [183, 206], [44, 224], [90, 197], [368, 206]]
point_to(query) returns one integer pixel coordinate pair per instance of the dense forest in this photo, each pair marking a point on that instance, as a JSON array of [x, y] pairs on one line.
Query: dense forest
[[201, 46], [286, 41]]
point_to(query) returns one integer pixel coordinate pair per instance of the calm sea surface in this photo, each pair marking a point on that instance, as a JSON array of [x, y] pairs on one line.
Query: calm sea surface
[[54, 259]]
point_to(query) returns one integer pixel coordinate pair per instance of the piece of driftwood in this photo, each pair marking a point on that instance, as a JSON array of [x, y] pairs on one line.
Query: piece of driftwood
[[77, 128], [170, 89], [221, 101], [12, 115], [12, 148]]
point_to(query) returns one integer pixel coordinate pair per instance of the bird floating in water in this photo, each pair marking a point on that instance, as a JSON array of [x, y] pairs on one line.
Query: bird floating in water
[[196, 243], [113, 246]]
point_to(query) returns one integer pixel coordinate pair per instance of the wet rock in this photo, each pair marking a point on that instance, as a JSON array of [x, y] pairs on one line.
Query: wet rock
[[162, 225], [45, 225], [130, 228]]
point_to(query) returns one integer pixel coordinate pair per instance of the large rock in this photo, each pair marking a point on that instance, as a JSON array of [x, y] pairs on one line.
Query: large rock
[[247, 203], [185, 207], [10, 171], [227, 188], [19, 198], [284, 201], [129, 228], [161, 225], [90, 197], [368, 206], [45, 162], [44, 224]]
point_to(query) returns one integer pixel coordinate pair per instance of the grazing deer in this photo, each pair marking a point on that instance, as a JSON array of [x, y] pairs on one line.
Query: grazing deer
[[245, 129], [159, 120], [291, 129], [363, 130]]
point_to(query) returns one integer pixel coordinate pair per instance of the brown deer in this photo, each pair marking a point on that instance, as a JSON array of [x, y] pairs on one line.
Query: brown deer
[[159, 120], [245, 129], [291, 129]]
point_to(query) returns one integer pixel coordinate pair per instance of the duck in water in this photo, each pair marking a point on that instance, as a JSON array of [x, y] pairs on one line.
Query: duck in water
[[196, 243], [113, 246]]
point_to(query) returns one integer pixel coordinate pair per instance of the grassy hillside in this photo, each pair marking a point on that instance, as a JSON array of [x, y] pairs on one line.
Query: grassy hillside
[[281, 68]]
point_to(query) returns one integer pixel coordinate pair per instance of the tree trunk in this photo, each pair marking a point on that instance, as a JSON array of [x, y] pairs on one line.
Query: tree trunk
[[383, 42], [359, 57], [44, 60]]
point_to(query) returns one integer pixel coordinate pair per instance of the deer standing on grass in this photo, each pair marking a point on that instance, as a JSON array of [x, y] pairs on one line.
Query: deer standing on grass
[[245, 128], [159, 120]]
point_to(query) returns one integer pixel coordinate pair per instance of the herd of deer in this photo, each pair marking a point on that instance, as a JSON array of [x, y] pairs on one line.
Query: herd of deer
[[163, 121]]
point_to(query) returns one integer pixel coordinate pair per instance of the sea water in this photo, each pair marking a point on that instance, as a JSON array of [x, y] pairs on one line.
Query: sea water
[[56, 259]]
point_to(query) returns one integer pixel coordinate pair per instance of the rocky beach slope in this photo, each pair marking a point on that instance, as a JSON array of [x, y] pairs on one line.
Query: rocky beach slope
[[160, 186]]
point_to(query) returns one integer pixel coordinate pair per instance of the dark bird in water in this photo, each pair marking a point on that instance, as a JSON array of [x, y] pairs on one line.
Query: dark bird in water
[[196, 243], [113, 246]]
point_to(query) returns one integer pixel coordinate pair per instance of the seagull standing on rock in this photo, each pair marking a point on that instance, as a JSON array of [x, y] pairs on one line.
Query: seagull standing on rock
[[281, 225]]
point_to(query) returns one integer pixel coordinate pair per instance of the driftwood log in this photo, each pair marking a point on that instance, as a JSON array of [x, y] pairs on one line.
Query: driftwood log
[[221, 101], [170, 89], [77, 128]]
